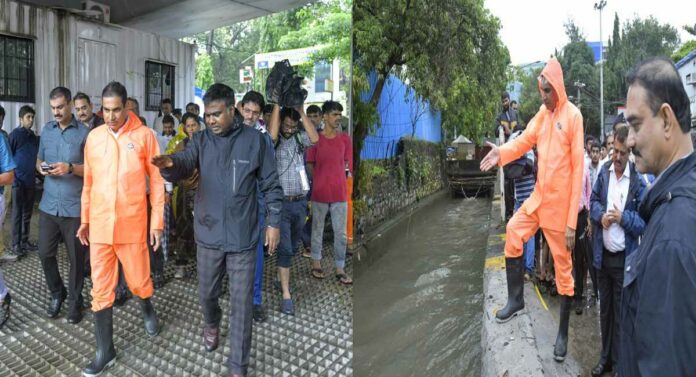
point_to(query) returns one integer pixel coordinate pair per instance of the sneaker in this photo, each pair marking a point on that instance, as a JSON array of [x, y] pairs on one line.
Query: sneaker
[[16, 250], [6, 257], [287, 307], [5, 309]]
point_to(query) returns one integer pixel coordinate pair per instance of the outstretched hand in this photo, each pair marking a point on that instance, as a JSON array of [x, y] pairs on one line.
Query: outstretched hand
[[491, 158], [162, 161]]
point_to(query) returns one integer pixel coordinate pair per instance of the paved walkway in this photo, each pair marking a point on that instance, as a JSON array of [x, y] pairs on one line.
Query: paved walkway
[[315, 342]]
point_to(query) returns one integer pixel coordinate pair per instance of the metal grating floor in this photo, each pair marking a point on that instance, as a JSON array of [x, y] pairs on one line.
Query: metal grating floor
[[317, 341]]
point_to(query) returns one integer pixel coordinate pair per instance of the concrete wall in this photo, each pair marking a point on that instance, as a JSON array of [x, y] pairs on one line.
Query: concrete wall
[[84, 55], [393, 184]]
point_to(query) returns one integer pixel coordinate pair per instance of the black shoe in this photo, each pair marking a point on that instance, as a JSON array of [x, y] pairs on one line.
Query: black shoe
[[122, 295], [29, 246], [106, 354], [149, 317], [75, 313], [259, 313], [5, 309], [514, 271], [55, 304], [561, 347], [211, 338], [158, 281], [579, 305], [600, 369]]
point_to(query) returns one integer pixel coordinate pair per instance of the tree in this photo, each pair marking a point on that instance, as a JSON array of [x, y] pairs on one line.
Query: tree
[[231, 48], [204, 71], [640, 39], [577, 61], [449, 52], [530, 99], [684, 50]]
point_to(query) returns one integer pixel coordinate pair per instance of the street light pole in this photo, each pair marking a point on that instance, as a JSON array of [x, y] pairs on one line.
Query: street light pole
[[599, 6]]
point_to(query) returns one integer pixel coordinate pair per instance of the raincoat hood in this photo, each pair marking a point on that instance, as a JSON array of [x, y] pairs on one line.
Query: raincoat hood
[[553, 73]]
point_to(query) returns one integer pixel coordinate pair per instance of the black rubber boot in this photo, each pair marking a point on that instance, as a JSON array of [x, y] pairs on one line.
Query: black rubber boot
[[561, 347], [149, 317], [106, 354], [514, 270]]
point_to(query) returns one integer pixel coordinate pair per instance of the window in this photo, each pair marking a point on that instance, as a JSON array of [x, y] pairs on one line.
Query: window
[[16, 69], [322, 72], [159, 84]]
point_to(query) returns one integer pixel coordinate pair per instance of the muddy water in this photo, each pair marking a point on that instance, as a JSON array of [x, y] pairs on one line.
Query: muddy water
[[417, 307]]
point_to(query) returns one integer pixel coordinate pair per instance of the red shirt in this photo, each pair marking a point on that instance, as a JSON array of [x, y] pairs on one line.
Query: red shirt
[[330, 157]]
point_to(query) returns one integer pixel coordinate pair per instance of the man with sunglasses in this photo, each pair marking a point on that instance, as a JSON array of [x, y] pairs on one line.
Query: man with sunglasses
[[557, 132]]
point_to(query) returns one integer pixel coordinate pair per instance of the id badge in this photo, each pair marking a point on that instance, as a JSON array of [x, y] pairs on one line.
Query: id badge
[[303, 177]]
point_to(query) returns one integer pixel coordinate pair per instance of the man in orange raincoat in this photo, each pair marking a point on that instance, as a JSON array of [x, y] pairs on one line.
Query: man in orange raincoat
[[557, 132], [114, 216]]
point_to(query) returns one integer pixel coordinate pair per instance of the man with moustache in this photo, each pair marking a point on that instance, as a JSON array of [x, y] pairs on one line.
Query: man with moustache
[[60, 160], [658, 300], [557, 132], [114, 216], [234, 164], [84, 111], [616, 228]]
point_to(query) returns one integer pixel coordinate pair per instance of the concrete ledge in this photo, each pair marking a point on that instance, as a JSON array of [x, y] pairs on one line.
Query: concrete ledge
[[524, 345]]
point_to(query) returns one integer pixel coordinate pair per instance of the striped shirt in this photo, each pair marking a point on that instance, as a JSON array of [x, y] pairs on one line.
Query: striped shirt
[[524, 187]]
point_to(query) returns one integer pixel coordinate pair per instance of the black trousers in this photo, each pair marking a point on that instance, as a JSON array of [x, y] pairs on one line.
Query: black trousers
[[241, 268], [610, 280], [53, 230], [580, 261], [22, 207], [156, 256]]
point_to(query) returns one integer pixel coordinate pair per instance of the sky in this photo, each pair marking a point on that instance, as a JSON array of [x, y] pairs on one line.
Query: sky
[[532, 29]]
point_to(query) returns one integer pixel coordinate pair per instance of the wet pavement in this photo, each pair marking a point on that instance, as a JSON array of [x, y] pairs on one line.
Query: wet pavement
[[315, 342], [419, 295], [524, 345]]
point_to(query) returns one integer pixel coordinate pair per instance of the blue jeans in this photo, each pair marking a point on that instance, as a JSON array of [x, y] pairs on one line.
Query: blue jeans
[[528, 246], [292, 221], [258, 275], [3, 287]]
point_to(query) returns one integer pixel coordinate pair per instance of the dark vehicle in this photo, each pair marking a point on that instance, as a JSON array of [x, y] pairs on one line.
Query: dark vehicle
[[464, 176]]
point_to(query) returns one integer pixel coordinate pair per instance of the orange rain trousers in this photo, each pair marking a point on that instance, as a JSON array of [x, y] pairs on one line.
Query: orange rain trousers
[[104, 260], [521, 227]]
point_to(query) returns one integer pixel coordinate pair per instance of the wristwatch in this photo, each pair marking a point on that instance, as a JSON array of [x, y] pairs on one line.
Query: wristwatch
[[70, 168]]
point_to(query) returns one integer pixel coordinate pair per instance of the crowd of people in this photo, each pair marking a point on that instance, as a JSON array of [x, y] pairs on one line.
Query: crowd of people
[[622, 211], [222, 192]]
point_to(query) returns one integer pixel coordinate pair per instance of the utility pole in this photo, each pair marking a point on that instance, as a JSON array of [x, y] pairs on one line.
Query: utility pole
[[599, 6], [579, 85]]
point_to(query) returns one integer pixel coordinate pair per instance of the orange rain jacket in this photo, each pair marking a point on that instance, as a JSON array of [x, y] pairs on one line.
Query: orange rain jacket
[[114, 196], [558, 136]]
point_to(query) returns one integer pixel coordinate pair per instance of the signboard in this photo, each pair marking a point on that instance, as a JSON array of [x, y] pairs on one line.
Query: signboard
[[246, 74], [296, 57]]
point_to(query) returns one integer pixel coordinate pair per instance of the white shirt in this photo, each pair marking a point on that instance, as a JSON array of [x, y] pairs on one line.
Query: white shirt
[[614, 237]]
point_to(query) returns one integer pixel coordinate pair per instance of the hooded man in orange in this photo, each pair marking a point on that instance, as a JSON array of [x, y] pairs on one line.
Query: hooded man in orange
[[114, 216], [557, 132]]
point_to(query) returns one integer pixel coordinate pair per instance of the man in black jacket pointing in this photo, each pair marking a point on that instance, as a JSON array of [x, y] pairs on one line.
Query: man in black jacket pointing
[[230, 159]]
